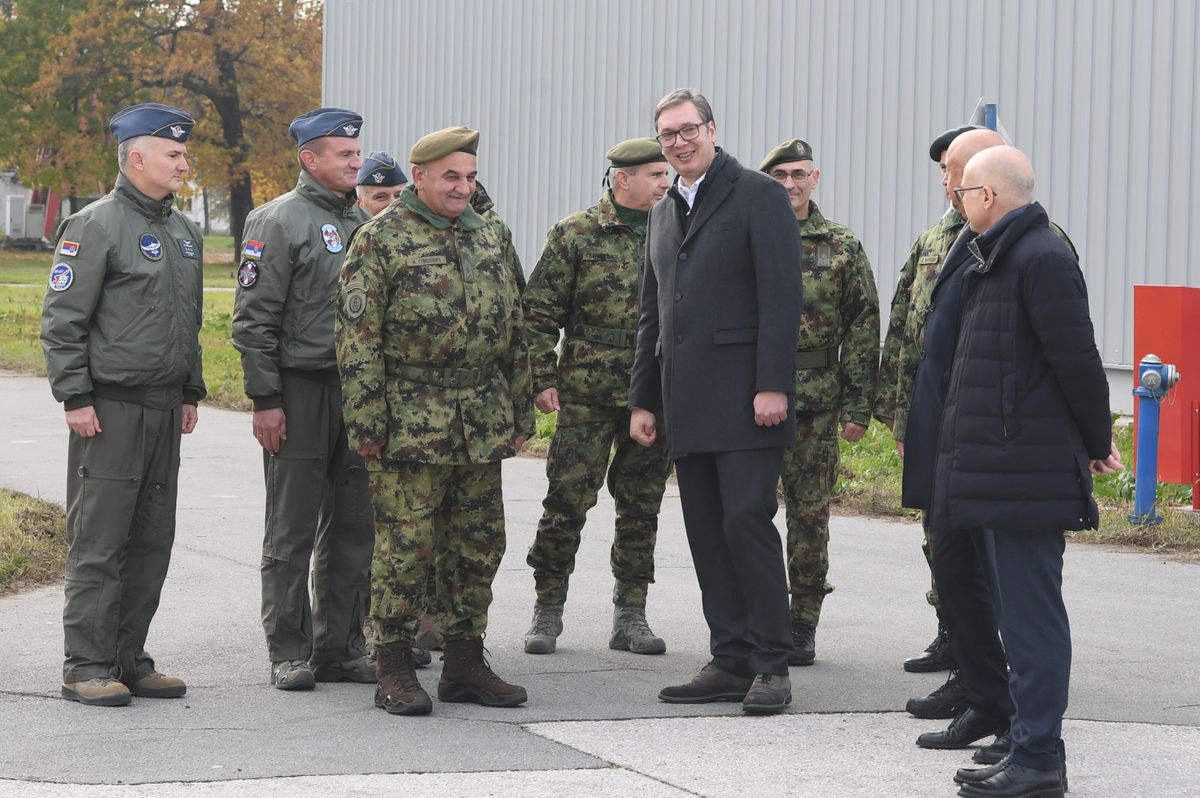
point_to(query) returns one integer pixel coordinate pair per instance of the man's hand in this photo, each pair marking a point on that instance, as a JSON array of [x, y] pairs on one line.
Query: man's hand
[[1109, 465], [900, 448], [270, 428], [642, 427], [83, 421], [770, 408], [519, 441], [370, 452], [890, 423], [547, 400], [189, 418], [853, 431]]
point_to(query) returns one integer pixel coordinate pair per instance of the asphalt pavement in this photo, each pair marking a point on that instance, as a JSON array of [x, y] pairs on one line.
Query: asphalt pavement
[[593, 725]]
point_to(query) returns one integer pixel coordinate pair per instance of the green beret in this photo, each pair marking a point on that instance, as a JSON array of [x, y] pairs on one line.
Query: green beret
[[441, 143], [633, 152], [788, 151]]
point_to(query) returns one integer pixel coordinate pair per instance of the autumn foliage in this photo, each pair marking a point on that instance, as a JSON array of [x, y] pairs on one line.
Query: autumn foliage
[[243, 68]]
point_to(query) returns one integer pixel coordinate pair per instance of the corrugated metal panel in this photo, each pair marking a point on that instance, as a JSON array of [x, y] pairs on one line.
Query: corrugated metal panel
[[1100, 93]]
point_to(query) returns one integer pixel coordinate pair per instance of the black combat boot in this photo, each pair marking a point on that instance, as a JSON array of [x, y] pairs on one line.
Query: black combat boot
[[804, 643], [936, 657], [397, 690], [467, 677], [948, 701]]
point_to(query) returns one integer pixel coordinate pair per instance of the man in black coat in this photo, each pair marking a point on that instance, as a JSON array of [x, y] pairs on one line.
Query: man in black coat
[[720, 312], [1025, 424]]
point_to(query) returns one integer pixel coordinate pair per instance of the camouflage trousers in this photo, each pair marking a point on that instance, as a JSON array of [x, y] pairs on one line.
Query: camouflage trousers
[[576, 466], [808, 476], [448, 518], [931, 595]]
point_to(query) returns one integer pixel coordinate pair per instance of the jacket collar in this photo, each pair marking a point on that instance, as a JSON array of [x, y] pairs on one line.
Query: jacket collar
[[816, 226], [951, 220], [152, 209], [606, 211], [989, 245], [719, 180], [341, 204], [468, 218]]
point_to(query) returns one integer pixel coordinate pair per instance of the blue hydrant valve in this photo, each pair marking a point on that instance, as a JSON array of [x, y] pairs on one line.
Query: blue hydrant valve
[[1155, 378]]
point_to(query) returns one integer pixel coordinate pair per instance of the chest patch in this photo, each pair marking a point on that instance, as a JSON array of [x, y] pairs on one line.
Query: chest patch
[[188, 248], [247, 274], [332, 238], [928, 260], [61, 277], [151, 247], [824, 256]]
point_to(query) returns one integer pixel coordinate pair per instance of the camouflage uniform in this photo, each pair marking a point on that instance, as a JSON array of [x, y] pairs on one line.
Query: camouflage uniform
[[435, 368], [586, 283], [911, 305], [841, 309]]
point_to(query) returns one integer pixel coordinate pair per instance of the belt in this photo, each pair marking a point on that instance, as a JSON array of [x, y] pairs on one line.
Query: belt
[[443, 378], [150, 395], [609, 336], [816, 358]]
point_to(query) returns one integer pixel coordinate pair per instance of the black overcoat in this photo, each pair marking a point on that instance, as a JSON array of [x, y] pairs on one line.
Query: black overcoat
[[720, 312], [1027, 399]]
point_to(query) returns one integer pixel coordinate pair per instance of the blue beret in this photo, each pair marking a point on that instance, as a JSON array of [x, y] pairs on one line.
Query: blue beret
[[325, 122], [151, 119], [380, 169]]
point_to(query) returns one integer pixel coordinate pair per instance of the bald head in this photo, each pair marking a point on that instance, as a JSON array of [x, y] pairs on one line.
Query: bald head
[[961, 150], [1005, 180]]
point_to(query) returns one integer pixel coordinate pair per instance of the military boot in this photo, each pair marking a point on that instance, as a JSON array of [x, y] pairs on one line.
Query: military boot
[[948, 701], [398, 691], [542, 637], [467, 678], [804, 643], [630, 632], [936, 657], [97, 693]]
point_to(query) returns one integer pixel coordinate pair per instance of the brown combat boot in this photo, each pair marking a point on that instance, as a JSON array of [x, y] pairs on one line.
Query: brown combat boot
[[398, 690], [467, 677]]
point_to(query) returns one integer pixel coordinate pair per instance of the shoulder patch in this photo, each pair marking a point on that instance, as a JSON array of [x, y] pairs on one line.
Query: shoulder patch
[[68, 248], [355, 301], [247, 274], [61, 277], [252, 249]]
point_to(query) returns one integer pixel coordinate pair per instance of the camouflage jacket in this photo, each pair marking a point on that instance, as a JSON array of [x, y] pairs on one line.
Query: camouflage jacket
[[911, 306], [586, 283], [283, 312], [841, 311], [482, 202], [124, 302], [431, 339]]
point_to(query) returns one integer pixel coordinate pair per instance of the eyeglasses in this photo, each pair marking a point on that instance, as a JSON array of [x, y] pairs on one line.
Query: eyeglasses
[[797, 175], [958, 192], [687, 133]]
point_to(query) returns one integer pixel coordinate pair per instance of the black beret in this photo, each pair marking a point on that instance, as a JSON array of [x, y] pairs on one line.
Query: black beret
[[942, 142]]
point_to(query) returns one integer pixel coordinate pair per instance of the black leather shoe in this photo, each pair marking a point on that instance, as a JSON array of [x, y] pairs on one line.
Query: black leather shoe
[[976, 775], [964, 730], [994, 751], [804, 644], [948, 701], [936, 657], [1017, 781]]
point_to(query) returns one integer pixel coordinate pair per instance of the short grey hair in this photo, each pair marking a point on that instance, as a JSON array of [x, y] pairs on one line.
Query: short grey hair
[[128, 146], [681, 96]]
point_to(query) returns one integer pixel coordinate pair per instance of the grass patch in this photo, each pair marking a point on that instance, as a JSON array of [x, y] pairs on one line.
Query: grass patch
[[33, 542], [20, 325]]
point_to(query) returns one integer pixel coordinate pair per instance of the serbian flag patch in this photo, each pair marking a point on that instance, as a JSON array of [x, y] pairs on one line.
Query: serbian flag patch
[[253, 249], [68, 248]]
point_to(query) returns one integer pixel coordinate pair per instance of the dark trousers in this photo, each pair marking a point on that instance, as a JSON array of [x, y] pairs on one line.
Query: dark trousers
[[729, 502], [1027, 573], [1007, 584], [121, 487], [960, 568], [318, 510]]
